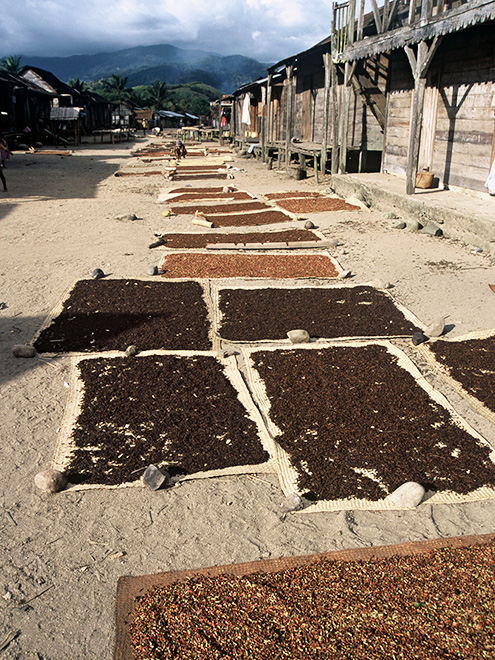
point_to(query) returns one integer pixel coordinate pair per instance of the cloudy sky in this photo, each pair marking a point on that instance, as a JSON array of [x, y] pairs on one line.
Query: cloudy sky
[[267, 30]]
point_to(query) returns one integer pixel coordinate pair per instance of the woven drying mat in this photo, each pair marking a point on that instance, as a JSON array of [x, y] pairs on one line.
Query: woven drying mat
[[211, 209], [384, 425], [189, 412], [483, 371], [203, 197], [207, 265], [292, 195], [150, 173], [112, 314], [193, 240], [130, 587], [338, 312], [196, 190], [248, 219], [49, 152], [199, 177], [317, 205]]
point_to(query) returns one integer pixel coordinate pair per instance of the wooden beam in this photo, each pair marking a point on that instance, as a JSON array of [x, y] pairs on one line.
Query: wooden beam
[[263, 135], [391, 14], [472, 13], [419, 66], [376, 14], [345, 120], [288, 106], [360, 21], [268, 131], [327, 61], [335, 104]]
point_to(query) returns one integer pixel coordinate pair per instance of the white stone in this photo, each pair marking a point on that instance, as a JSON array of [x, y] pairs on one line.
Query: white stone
[[436, 328], [409, 495], [293, 502], [298, 336]]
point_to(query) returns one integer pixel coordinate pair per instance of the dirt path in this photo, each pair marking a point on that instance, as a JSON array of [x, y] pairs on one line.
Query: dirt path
[[61, 554]]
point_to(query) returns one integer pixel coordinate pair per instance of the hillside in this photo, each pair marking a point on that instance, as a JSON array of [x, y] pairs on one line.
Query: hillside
[[144, 64]]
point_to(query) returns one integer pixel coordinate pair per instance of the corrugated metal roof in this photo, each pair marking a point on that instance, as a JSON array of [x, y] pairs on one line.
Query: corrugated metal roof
[[64, 113]]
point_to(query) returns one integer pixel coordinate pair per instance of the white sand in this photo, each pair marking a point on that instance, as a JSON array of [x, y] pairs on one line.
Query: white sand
[[57, 225]]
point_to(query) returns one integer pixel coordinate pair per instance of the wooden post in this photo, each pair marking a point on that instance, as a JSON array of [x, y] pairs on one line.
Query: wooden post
[[335, 97], [326, 111], [263, 109], [268, 131], [289, 120], [419, 66], [348, 73]]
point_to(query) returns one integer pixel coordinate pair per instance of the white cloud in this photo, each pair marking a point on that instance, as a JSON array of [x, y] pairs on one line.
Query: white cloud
[[267, 30]]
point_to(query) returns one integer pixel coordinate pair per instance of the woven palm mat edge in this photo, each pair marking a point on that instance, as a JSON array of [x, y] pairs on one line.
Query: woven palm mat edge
[[443, 371], [73, 408], [288, 475], [253, 253], [216, 287], [129, 587], [59, 305]]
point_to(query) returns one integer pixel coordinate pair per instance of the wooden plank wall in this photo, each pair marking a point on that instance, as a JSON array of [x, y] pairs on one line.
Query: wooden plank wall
[[463, 71]]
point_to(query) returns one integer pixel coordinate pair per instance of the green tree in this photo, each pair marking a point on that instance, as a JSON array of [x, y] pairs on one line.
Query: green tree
[[157, 94], [79, 85], [11, 63], [116, 87]]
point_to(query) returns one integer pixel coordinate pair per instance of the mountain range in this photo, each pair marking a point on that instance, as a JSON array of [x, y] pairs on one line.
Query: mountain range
[[143, 65]]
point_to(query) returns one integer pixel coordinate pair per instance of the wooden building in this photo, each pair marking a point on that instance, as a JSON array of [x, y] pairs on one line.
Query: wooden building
[[440, 96], [22, 104], [407, 87]]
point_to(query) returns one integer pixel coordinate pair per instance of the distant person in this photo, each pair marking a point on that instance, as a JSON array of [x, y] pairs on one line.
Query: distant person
[[180, 150], [5, 154]]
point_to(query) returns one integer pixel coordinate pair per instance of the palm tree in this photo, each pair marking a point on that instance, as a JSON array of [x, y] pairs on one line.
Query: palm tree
[[79, 85], [117, 87], [157, 93], [11, 63]]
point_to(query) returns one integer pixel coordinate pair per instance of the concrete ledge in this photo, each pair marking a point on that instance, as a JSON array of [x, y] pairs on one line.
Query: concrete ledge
[[466, 217]]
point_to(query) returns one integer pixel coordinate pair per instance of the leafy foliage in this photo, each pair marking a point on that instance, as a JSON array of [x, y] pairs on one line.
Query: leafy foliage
[[11, 64]]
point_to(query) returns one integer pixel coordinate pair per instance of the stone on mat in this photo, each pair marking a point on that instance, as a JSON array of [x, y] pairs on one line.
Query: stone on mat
[[50, 481], [298, 336], [293, 502], [23, 350], [309, 225], [409, 495], [155, 477], [131, 350], [418, 338], [97, 274], [344, 274], [436, 328], [380, 284], [152, 270], [333, 242]]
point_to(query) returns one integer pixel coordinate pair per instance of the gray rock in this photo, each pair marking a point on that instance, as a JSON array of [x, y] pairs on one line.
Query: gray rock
[[398, 224], [298, 336], [152, 270], [343, 275], [418, 338], [414, 225], [127, 216], [389, 215], [50, 481], [409, 495], [155, 477], [308, 225], [131, 350], [333, 242], [156, 243], [432, 229], [23, 351], [97, 274]]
